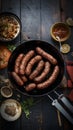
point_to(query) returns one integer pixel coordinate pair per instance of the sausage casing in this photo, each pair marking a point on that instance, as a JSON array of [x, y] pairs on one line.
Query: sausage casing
[[23, 77], [31, 63], [46, 55], [17, 78], [30, 87], [25, 60], [37, 70], [43, 75], [50, 80], [17, 62]]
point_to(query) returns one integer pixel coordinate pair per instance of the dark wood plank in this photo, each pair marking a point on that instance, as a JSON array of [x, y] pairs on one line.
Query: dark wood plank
[[50, 13], [30, 17], [41, 117], [66, 12], [0, 5]]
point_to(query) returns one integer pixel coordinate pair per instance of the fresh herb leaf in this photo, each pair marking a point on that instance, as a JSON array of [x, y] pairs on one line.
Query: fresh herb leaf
[[26, 106], [11, 47]]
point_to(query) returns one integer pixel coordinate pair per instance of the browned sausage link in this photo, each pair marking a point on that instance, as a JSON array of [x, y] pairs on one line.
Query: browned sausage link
[[23, 77], [37, 70], [43, 75], [17, 62], [18, 80], [25, 60], [30, 87], [31, 63], [46, 55], [50, 80]]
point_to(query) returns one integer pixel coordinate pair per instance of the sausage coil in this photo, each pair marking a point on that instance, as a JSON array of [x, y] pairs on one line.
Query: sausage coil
[[17, 63], [46, 55], [31, 63], [37, 70], [50, 80], [43, 75], [17, 78], [25, 60]]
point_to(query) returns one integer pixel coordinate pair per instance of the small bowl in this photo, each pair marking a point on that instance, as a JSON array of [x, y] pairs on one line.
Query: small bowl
[[10, 110], [10, 27], [61, 30]]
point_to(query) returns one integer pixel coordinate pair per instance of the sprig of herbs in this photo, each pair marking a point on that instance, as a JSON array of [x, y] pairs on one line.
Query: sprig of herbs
[[11, 47], [26, 106]]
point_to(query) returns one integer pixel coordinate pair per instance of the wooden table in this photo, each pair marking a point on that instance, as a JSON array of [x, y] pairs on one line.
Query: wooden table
[[37, 16]]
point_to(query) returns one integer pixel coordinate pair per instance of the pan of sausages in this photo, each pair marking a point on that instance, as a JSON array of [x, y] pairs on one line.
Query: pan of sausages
[[35, 68]]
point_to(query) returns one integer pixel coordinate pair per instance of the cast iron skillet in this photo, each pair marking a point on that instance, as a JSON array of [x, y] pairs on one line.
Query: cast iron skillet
[[24, 48]]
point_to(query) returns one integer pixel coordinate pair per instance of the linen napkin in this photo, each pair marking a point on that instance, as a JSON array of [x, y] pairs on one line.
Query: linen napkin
[[69, 69]]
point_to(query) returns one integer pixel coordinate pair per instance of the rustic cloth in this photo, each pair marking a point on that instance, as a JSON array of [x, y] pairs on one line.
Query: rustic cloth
[[69, 69]]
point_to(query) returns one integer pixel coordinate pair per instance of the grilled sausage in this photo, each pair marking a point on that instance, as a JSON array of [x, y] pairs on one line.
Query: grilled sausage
[[43, 75], [50, 80], [23, 77], [46, 55], [17, 78], [30, 87], [17, 62], [25, 60], [31, 63], [37, 70]]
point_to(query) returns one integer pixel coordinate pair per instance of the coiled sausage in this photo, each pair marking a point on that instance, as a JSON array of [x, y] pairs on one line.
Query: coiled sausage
[[25, 60], [43, 75], [31, 63], [46, 55], [17, 78], [30, 87], [50, 80], [17, 62], [37, 70], [23, 77]]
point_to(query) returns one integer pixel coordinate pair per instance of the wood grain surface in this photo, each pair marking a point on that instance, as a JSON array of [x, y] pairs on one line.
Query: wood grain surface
[[36, 17]]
